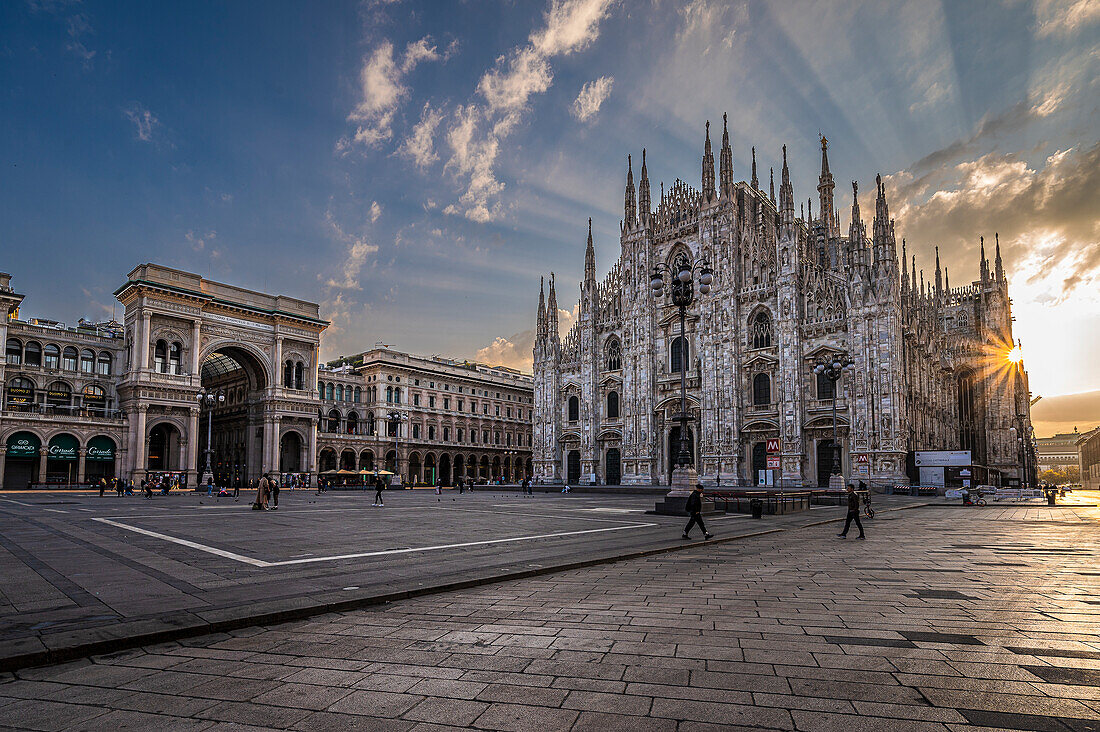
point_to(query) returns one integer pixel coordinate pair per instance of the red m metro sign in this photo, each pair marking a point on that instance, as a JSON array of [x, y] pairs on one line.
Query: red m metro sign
[[773, 444]]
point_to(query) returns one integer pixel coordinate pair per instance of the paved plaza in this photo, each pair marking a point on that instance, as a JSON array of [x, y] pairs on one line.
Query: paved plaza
[[945, 619], [89, 574]]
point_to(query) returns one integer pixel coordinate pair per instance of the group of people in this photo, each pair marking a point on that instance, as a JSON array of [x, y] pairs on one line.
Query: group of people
[[149, 484], [267, 494]]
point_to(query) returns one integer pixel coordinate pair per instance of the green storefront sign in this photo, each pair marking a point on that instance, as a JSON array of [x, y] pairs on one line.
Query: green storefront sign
[[23, 444], [100, 449], [63, 447]]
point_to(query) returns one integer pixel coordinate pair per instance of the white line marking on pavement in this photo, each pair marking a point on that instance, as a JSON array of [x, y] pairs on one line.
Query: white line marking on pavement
[[727, 517], [185, 542], [456, 546], [54, 510], [9, 500]]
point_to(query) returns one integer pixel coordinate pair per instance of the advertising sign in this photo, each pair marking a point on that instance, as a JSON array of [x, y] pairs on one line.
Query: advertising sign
[[63, 447], [23, 445], [101, 449], [773, 461], [942, 458], [20, 395], [773, 445]]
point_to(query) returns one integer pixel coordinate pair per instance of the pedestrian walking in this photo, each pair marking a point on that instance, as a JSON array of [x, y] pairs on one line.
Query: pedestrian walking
[[379, 486], [237, 490], [274, 483], [853, 513], [565, 489], [210, 486], [526, 486], [118, 487], [102, 486], [262, 489], [694, 507]]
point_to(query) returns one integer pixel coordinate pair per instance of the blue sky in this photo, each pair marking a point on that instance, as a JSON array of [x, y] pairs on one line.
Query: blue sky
[[416, 166]]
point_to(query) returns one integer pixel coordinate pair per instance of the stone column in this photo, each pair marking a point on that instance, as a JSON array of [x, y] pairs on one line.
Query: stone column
[[279, 363], [3, 462], [196, 346], [42, 453], [310, 464], [140, 442], [192, 464], [81, 455], [276, 443], [143, 341], [265, 459]]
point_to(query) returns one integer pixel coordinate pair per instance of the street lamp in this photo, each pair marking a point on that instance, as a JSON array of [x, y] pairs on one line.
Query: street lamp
[[395, 418], [833, 369], [211, 398], [510, 457], [681, 290]]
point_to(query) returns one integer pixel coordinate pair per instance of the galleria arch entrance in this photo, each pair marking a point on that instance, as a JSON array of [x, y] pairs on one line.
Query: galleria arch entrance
[[237, 381], [257, 353]]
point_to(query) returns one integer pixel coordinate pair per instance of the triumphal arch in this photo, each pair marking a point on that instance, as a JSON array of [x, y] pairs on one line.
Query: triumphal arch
[[255, 354]]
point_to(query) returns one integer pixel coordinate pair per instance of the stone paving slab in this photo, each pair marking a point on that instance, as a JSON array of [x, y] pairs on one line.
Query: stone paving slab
[[93, 575], [1003, 646]]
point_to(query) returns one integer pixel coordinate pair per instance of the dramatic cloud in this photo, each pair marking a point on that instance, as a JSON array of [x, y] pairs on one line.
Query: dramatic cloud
[[477, 129], [145, 122], [592, 96], [1048, 213], [382, 89], [515, 351], [1063, 413], [1065, 17]]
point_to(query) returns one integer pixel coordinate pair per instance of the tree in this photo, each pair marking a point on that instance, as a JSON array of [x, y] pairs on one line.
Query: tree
[[1061, 476]]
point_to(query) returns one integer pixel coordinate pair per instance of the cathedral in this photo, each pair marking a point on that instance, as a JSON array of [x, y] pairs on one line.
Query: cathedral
[[933, 367]]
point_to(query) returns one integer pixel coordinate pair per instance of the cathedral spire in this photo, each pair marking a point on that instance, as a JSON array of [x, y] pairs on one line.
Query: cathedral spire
[[946, 281], [786, 197], [999, 269], [755, 181], [771, 186], [590, 256], [983, 263], [725, 162], [629, 204], [904, 269], [913, 274], [939, 282], [825, 190], [644, 203], [540, 319], [708, 168], [552, 312]]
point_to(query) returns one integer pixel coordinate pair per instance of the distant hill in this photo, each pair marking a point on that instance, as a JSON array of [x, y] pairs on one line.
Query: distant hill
[[1052, 415]]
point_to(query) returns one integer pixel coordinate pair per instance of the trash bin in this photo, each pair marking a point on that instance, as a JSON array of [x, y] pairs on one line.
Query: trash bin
[[1051, 495], [757, 508]]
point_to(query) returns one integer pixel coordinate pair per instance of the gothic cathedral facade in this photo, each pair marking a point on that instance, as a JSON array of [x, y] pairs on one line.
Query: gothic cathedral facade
[[931, 362]]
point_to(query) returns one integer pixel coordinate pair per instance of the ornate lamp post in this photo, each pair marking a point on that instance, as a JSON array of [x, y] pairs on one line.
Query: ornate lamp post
[[833, 369], [395, 418], [681, 289], [211, 398]]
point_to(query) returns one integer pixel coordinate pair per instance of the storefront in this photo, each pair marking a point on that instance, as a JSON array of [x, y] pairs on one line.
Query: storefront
[[19, 395], [21, 460], [62, 459], [99, 460]]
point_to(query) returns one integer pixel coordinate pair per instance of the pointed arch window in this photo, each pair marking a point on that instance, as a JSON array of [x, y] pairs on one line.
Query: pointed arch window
[[679, 354], [826, 387], [760, 331], [574, 409], [614, 355], [613, 405]]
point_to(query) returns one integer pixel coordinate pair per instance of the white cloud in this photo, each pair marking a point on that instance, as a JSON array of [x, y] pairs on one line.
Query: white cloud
[[382, 89], [420, 145], [515, 351], [591, 98], [375, 211], [358, 250], [477, 128], [198, 242], [1065, 17], [145, 122]]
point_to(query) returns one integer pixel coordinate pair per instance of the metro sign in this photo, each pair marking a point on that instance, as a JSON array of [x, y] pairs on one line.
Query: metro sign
[[863, 458], [773, 445]]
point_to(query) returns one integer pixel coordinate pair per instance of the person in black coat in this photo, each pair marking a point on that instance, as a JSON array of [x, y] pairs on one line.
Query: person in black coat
[[694, 508], [853, 513]]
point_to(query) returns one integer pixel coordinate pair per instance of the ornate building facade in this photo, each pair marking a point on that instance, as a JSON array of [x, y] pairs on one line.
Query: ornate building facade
[[931, 362], [459, 419]]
